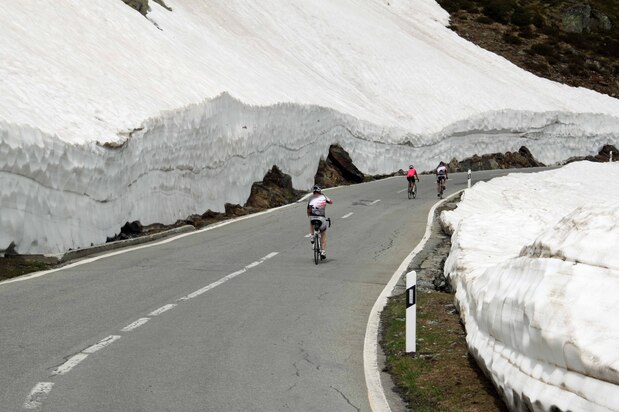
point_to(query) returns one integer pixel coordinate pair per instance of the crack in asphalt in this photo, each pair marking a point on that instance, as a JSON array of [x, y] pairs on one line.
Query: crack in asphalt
[[344, 396]]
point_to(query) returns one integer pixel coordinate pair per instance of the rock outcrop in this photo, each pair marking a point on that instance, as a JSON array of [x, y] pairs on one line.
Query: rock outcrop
[[274, 190], [582, 18], [602, 156], [510, 160], [338, 169]]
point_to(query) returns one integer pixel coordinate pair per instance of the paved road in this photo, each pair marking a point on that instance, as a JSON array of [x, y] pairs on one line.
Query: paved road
[[234, 318]]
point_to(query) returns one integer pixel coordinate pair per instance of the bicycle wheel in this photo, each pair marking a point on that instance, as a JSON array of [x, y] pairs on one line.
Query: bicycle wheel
[[316, 248], [410, 192], [415, 193]]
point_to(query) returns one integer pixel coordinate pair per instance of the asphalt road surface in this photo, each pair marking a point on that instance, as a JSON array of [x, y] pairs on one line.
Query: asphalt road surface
[[233, 318]]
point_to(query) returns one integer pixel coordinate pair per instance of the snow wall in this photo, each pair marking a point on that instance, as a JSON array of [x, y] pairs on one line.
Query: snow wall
[[56, 195], [535, 266]]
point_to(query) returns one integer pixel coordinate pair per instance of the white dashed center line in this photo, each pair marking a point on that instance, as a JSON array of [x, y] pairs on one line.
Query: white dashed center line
[[71, 363], [42, 389], [374, 202], [38, 394], [347, 215], [101, 344], [135, 325], [162, 309]]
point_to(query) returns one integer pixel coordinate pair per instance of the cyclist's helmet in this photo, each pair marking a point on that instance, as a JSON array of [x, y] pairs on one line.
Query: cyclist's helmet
[[410, 167], [316, 189]]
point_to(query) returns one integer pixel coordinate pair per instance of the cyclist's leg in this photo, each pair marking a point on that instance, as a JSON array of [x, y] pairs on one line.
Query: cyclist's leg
[[323, 238]]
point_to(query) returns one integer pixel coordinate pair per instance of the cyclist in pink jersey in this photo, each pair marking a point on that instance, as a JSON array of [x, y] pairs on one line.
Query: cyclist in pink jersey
[[411, 176], [316, 207]]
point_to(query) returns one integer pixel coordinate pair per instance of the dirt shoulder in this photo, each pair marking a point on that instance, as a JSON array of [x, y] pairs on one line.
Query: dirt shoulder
[[442, 375]]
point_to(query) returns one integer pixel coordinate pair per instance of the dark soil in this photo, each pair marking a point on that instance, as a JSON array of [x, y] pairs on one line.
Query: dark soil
[[533, 35]]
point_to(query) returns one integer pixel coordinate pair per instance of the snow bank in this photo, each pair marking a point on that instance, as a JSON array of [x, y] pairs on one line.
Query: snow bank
[[536, 272], [387, 80], [88, 71], [56, 195]]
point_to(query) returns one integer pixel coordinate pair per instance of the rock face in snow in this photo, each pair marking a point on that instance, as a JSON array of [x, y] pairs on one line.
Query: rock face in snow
[[338, 169], [273, 191], [536, 274], [520, 159], [606, 154]]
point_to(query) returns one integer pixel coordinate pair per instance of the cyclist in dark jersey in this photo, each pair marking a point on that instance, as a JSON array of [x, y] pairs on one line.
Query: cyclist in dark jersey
[[441, 177]]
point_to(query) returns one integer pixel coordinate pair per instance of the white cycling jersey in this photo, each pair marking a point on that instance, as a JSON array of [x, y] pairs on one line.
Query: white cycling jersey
[[318, 205]]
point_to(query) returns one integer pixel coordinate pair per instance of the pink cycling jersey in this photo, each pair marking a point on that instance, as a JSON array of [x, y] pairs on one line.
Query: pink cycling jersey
[[411, 173]]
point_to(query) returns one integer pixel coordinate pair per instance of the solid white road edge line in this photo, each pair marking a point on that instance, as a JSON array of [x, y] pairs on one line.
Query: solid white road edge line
[[38, 394], [376, 393], [148, 245], [347, 215]]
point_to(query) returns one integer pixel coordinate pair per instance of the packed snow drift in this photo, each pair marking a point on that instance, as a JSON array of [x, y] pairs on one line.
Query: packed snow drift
[[109, 116], [535, 266]]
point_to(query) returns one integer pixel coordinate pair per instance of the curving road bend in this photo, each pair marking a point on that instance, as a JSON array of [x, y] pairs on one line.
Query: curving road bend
[[235, 317]]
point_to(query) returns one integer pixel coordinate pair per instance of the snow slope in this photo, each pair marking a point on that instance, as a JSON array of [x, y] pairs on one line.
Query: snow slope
[[205, 98], [535, 266]]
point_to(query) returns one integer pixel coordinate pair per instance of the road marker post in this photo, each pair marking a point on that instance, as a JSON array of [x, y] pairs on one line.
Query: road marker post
[[610, 159], [411, 312], [469, 179]]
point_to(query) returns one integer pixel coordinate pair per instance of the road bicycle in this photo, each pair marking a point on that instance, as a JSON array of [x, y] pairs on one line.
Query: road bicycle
[[442, 183], [317, 236], [412, 191]]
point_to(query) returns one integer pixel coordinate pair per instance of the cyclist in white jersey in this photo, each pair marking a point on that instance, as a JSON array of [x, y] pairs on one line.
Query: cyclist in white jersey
[[316, 207]]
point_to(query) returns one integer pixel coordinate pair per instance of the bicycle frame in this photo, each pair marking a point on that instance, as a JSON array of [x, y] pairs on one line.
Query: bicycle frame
[[317, 249]]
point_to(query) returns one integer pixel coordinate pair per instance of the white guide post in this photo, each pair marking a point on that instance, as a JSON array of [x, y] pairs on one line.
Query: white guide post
[[611, 157], [469, 178], [411, 312]]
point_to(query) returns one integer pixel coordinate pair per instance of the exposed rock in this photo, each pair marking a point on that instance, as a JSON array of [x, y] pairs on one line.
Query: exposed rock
[[602, 156], [142, 5], [234, 210], [127, 231], [139, 5], [510, 160], [338, 169], [582, 18], [274, 190], [10, 250]]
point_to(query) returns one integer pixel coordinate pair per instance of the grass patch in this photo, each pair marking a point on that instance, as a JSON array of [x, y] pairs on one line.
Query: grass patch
[[15, 266], [442, 376]]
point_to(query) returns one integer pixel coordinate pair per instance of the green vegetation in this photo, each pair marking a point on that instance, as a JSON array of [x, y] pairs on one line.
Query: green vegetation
[[11, 267], [442, 376]]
